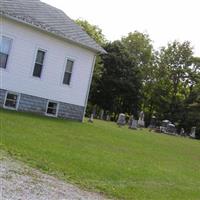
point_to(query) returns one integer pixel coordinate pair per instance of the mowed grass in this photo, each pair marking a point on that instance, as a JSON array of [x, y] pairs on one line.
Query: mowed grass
[[120, 163]]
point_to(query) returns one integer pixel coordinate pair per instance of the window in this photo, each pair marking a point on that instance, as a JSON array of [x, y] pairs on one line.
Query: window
[[39, 63], [52, 108], [68, 72], [5, 46], [11, 100]]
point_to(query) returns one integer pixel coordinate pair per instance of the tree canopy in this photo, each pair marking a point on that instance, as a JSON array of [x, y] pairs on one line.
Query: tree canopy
[[133, 76]]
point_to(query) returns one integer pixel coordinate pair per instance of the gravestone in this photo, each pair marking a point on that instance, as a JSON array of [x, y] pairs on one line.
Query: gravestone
[[171, 129], [108, 118], [121, 119], [91, 119], [153, 122], [130, 121], [134, 124], [182, 132], [193, 132], [141, 122], [101, 114]]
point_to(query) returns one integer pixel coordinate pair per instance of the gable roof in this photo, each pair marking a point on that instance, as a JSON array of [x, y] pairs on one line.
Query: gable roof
[[49, 19]]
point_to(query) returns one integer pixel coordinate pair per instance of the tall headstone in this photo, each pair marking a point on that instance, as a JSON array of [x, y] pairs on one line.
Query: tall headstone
[[91, 119], [121, 119], [101, 114], [130, 121], [182, 132], [134, 124], [193, 132], [107, 117], [141, 122]]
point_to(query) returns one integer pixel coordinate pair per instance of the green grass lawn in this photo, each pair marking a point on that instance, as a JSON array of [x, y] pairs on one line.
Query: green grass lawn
[[118, 162]]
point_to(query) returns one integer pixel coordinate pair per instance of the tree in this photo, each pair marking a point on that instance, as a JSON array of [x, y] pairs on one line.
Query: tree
[[140, 50], [139, 47], [193, 101], [131, 76], [171, 87], [119, 87], [175, 61], [95, 33]]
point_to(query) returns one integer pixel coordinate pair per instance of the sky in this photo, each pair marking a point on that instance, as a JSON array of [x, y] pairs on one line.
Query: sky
[[163, 20]]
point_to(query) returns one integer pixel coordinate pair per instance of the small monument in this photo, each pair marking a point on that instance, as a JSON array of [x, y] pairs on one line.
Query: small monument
[[121, 120], [193, 132], [91, 119], [171, 129], [101, 114], [107, 117], [152, 122], [130, 121], [182, 132], [134, 124], [141, 122]]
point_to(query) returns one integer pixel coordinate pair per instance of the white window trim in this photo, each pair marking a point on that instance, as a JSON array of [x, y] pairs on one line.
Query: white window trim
[[72, 73], [34, 61], [18, 99], [9, 54], [50, 115]]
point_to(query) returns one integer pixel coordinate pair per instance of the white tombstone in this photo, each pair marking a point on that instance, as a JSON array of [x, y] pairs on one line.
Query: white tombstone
[[141, 122], [182, 132], [108, 118], [193, 132], [91, 119], [134, 124], [121, 119], [141, 116], [101, 114]]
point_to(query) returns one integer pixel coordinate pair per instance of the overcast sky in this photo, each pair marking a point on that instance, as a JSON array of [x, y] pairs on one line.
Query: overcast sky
[[163, 20]]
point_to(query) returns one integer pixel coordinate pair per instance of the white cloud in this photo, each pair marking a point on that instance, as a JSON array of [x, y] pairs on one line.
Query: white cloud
[[163, 20]]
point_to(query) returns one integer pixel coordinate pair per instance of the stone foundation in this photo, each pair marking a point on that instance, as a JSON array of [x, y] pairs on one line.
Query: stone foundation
[[28, 103]]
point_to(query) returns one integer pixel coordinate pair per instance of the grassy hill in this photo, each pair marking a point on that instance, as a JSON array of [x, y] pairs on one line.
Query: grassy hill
[[118, 162]]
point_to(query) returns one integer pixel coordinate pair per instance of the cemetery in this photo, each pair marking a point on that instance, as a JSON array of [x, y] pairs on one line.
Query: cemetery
[[159, 126], [120, 160], [116, 114]]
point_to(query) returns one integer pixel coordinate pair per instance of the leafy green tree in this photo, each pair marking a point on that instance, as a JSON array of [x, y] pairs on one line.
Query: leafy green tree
[[119, 87], [96, 33], [131, 76], [155, 90], [171, 86], [139, 47], [140, 50], [175, 61], [93, 31], [192, 103]]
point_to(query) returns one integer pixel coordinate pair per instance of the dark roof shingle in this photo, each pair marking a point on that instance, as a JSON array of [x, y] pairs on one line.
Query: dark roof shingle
[[48, 18]]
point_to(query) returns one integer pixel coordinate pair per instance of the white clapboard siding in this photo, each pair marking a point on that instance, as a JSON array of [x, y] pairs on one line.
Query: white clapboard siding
[[18, 74]]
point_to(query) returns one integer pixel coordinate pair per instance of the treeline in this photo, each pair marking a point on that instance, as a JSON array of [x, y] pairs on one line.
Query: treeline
[[133, 76]]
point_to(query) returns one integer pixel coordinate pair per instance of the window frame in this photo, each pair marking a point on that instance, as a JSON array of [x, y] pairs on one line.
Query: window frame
[[34, 62], [72, 72], [9, 52], [47, 106], [17, 101]]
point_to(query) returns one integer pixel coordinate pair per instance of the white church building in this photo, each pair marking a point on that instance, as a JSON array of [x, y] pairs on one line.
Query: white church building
[[46, 60]]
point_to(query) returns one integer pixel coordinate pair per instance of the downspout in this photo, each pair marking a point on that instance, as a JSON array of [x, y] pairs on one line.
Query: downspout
[[89, 85]]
